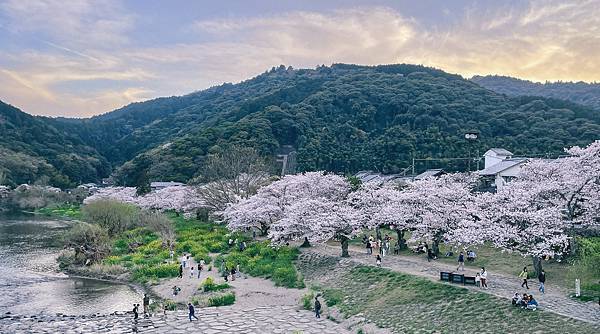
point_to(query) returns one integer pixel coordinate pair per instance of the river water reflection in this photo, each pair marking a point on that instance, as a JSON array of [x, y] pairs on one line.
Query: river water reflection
[[29, 279]]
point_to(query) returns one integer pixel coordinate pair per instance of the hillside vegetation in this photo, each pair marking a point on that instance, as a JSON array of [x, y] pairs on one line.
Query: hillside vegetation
[[341, 118], [584, 93]]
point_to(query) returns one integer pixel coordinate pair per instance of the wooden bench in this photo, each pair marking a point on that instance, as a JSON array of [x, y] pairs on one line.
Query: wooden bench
[[457, 278], [444, 276], [469, 280]]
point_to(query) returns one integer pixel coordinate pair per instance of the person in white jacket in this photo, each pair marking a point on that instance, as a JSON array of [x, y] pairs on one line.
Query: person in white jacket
[[484, 278]]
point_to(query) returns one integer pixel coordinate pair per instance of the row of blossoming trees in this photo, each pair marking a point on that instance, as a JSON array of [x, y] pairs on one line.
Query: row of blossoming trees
[[535, 215]]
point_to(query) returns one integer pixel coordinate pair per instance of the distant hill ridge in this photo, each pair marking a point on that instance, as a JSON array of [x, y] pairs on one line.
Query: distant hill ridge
[[341, 118], [580, 92]]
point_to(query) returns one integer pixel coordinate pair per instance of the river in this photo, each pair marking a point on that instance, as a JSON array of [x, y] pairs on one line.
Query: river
[[30, 282]]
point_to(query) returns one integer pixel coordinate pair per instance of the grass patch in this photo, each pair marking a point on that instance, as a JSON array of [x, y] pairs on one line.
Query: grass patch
[[260, 259], [222, 300], [209, 285], [409, 304], [72, 211], [307, 301]]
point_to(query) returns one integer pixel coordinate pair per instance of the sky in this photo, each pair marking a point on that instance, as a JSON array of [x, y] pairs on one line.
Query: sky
[[80, 58]]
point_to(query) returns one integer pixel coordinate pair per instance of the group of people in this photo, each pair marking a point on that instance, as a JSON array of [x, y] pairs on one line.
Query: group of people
[[232, 272], [382, 246], [525, 301], [524, 275], [136, 308], [241, 244], [193, 272]]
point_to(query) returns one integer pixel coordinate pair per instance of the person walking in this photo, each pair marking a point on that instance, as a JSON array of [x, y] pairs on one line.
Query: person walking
[[181, 271], [191, 272], [317, 307], [146, 304], [524, 275], [369, 247], [378, 260], [542, 279], [429, 254], [135, 312], [237, 270], [461, 262], [185, 260], [192, 312], [483, 277]]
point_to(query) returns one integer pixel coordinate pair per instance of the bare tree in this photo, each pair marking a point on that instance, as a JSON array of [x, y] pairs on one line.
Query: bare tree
[[114, 216], [88, 240], [231, 175], [161, 225]]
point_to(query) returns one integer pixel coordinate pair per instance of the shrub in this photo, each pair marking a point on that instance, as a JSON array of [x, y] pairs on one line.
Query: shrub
[[209, 285], [170, 305], [144, 273], [116, 217], [285, 277], [222, 300], [307, 301], [333, 297], [89, 241]]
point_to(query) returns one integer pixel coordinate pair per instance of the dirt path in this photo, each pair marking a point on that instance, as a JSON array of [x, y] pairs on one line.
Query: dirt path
[[501, 285]]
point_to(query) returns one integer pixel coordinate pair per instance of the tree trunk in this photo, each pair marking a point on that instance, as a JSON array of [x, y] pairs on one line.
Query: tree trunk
[[401, 240], [537, 264], [264, 230], [344, 242], [435, 247], [306, 243], [378, 233]]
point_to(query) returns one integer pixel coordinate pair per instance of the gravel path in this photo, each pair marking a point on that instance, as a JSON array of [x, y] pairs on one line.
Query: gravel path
[[554, 300]]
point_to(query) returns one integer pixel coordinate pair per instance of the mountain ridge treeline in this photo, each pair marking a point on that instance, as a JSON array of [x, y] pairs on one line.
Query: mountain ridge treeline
[[341, 118], [587, 94]]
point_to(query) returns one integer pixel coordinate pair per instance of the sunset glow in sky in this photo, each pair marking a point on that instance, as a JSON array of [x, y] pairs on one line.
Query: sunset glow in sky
[[79, 58]]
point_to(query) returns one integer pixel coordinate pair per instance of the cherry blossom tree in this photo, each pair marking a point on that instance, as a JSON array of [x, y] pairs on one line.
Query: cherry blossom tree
[[382, 205], [540, 212], [571, 183], [122, 194], [514, 220], [436, 207], [271, 202], [319, 220], [181, 199]]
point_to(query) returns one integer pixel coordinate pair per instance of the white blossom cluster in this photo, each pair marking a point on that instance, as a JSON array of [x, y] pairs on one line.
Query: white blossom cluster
[[182, 199], [535, 214]]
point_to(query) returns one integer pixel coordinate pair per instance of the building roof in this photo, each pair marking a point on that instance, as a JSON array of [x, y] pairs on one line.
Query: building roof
[[165, 184], [502, 166], [500, 151], [430, 173]]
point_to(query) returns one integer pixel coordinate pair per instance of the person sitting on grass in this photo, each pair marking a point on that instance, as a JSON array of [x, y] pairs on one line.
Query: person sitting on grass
[[532, 304], [516, 299], [524, 300]]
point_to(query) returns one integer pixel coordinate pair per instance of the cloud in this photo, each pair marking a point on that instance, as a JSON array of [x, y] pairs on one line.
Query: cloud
[[91, 45], [83, 23]]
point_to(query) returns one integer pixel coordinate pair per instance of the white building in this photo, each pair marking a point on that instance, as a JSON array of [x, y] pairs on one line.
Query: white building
[[501, 167]]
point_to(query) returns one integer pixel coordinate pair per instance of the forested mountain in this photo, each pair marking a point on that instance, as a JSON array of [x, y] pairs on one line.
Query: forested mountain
[[342, 118], [32, 150], [584, 93]]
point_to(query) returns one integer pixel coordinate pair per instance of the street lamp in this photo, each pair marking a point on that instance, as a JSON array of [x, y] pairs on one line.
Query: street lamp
[[472, 137]]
